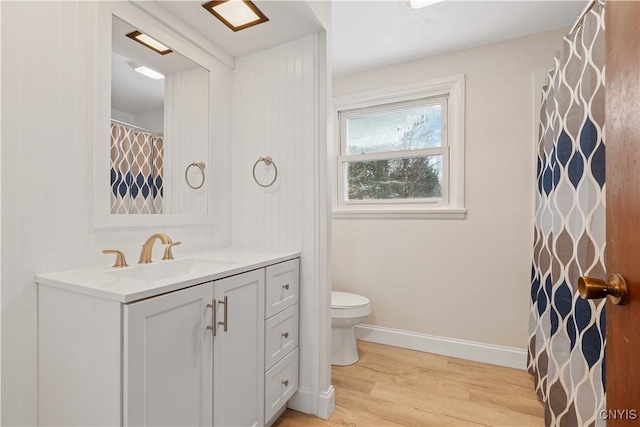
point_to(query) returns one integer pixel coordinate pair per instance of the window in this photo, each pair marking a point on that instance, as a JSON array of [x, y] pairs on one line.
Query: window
[[400, 152]]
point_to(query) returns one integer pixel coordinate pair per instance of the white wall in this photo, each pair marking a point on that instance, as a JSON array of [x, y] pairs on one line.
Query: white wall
[[153, 120], [123, 116], [186, 104], [275, 114], [465, 279], [46, 184]]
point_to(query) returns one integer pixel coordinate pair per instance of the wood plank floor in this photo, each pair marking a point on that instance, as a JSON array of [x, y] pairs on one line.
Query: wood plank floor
[[391, 386]]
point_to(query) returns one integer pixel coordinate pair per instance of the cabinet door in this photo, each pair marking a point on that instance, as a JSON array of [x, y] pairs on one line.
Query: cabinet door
[[168, 359], [238, 395]]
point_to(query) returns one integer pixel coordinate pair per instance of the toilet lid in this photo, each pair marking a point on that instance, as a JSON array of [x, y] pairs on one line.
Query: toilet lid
[[347, 300]]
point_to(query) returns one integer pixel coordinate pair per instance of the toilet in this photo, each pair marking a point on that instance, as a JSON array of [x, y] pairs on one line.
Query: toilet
[[347, 310]]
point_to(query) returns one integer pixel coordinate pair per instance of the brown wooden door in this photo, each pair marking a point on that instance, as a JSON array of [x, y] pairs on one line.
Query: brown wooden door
[[622, 19]]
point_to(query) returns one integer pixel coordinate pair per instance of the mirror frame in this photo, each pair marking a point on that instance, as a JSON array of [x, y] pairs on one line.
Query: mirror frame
[[102, 216]]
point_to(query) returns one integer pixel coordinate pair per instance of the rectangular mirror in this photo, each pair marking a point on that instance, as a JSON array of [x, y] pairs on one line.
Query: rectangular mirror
[[152, 124], [159, 117]]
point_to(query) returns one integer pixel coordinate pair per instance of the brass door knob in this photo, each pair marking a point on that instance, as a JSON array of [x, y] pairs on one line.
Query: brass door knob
[[615, 288]]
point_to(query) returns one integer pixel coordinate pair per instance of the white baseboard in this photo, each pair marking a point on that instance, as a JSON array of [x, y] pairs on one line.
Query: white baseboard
[[326, 403], [301, 401], [469, 350]]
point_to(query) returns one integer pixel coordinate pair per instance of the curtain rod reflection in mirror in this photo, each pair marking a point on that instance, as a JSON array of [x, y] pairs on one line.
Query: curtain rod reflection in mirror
[[152, 132]]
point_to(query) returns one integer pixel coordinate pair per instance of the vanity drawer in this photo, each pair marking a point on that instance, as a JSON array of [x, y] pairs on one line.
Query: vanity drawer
[[281, 335], [280, 383], [282, 286]]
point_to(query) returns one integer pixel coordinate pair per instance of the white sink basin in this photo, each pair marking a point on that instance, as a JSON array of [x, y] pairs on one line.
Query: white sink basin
[[167, 270]]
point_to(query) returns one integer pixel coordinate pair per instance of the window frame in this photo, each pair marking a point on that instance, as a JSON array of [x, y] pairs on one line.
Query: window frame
[[451, 205], [443, 150]]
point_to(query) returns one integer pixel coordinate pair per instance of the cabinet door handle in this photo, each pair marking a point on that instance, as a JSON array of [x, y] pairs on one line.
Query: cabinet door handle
[[213, 328], [286, 383], [225, 323], [286, 287], [286, 335]]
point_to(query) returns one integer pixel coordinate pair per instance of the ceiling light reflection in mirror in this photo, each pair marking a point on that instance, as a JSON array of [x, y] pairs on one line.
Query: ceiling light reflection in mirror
[[149, 42]]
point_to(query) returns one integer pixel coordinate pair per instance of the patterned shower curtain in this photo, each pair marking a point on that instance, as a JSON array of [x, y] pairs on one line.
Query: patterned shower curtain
[[136, 171], [567, 333]]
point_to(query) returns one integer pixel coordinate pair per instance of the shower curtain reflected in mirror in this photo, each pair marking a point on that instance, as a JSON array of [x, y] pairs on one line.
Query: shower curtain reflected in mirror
[[567, 333], [136, 170]]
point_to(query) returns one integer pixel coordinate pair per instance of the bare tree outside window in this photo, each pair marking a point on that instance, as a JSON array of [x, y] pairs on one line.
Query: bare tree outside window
[[409, 178]]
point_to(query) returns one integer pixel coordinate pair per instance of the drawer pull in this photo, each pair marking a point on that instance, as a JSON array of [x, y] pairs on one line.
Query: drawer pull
[[213, 317], [286, 383], [286, 287], [225, 322], [286, 335]]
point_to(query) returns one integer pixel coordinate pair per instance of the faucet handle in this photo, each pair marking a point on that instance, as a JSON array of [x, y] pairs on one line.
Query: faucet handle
[[120, 259], [167, 250]]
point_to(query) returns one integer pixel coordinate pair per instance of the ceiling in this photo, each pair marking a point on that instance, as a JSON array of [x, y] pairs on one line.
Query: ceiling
[[373, 34], [368, 34], [288, 20]]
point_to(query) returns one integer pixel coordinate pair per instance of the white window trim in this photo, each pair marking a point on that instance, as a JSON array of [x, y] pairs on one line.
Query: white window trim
[[454, 208], [443, 151]]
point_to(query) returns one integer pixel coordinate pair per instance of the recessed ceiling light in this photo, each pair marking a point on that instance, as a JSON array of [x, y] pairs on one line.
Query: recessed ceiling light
[[236, 14], [146, 71], [149, 42], [419, 4]]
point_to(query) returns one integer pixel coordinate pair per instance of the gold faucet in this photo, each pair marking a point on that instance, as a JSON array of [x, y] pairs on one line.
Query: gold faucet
[[145, 255], [167, 251], [121, 261]]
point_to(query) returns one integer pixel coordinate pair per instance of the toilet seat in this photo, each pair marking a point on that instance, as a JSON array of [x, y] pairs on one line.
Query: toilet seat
[[347, 300], [347, 305]]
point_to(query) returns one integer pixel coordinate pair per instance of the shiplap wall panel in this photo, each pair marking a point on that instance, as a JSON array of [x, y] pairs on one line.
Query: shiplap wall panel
[[186, 142], [274, 114], [218, 168], [46, 178]]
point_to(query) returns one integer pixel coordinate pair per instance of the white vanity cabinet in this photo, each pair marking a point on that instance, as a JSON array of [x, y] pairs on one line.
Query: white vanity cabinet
[[239, 350], [168, 359], [193, 356], [281, 337]]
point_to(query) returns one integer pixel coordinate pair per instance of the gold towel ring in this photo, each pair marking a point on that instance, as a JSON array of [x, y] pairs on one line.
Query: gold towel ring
[[269, 162], [199, 165]]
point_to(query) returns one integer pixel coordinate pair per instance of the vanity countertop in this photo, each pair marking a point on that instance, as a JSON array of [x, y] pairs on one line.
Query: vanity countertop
[[141, 281]]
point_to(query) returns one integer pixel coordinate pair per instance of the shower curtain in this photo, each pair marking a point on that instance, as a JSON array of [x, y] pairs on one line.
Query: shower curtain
[[136, 171], [567, 333]]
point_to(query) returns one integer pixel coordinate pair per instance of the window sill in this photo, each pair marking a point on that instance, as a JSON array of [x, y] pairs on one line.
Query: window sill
[[396, 213]]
